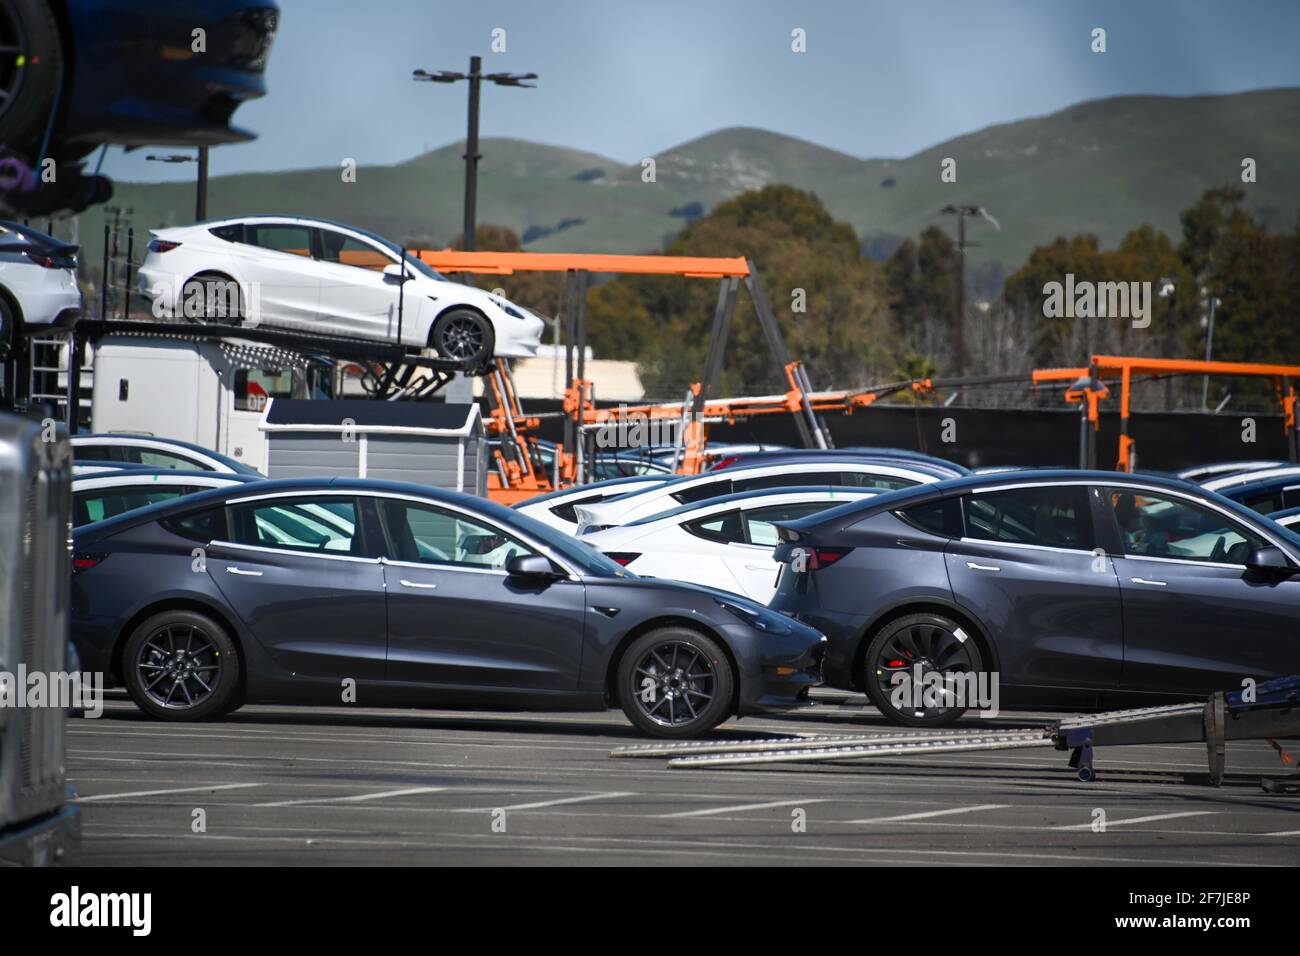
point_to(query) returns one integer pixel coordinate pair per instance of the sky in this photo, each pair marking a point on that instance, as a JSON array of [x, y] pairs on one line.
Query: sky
[[628, 78]]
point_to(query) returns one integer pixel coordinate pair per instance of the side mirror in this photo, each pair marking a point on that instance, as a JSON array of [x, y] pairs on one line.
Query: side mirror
[[1271, 560], [531, 566], [394, 273]]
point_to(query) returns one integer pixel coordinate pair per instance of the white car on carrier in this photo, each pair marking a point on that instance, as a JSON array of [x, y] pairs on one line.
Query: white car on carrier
[[312, 275]]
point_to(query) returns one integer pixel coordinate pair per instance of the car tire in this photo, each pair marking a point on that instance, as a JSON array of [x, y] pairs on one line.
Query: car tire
[[202, 284], [34, 86], [938, 643], [170, 657], [464, 336], [657, 691]]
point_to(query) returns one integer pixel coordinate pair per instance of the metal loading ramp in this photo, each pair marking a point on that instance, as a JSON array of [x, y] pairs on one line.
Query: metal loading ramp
[[1271, 711]]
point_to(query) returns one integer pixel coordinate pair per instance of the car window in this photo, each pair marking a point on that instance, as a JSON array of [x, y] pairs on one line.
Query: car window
[[295, 240], [709, 489], [1265, 503], [231, 233], [942, 517], [207, 525], [726, 528], [865, 479], [327, 524], [761, 530], [98, 504], [428, 535], [347, 251], [1163, 526], [1054, 516], [164, 459], [789, 479]]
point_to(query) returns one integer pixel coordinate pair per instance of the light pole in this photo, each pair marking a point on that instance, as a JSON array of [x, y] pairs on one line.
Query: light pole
[[1209, 352], [476, 77], [201, 188], [961, 212], [1169, 290]]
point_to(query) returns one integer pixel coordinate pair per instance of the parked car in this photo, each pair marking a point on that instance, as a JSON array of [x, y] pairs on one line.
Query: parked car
[[321, 276], [1202, 473], [1225, 483], [808, 469], [1287, 517], [133, 451], [38, 283], [103, 495], [1266, 495], [948, 469], [418, 596], [724, 543], [556, 508], [1076, 588], [121, 72]]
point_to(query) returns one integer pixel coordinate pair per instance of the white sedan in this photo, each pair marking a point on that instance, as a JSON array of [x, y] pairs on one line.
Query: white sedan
[[319, 276], [1236, 479], [809, 469], [724, 543], [38, 283], [557, 508]]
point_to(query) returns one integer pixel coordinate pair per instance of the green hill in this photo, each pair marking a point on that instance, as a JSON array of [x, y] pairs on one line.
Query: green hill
[[1103, 166]]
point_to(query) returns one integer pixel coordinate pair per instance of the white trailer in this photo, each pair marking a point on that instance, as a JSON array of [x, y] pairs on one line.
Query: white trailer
[[209, 392]]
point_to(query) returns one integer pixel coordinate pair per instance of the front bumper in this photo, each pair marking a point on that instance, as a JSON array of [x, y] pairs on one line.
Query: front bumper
[[780, 675], [843, 632], [43, 842]]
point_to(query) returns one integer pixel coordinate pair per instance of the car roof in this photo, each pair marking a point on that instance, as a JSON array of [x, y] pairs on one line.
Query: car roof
[[127, 438], [143, 476], [1262, 484], [837, 518], [884, 455], [590, 487], [1258, 474]]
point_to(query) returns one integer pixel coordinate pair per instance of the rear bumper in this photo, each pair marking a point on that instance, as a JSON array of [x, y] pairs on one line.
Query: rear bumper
[[49, 840]]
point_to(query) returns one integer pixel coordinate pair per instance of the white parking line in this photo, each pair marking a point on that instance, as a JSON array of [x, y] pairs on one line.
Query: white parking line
[[932, 813], [547, 803], [155, 793], [1150, 819], [738, 808], [355, 798], [1282, 833]]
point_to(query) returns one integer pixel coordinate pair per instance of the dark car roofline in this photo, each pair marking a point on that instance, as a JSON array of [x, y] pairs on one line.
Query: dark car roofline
[[836, 519]]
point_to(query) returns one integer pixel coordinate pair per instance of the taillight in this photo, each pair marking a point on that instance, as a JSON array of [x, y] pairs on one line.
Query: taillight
[[825, 557], [48, 262], [622, 558], [85, 560], [725, 462], [162, 245]]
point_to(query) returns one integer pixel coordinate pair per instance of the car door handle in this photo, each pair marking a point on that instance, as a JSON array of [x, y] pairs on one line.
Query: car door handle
[[758, 567], [417, 584], [982, 567], [1159, 584], [234, 570]]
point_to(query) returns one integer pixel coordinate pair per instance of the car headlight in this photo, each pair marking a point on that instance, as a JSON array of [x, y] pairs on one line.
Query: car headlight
[[508, 309], [760, 620]]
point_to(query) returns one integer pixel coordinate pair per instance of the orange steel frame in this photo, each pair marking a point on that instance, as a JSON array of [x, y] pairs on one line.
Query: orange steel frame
[[1126, 367], [522, 477]]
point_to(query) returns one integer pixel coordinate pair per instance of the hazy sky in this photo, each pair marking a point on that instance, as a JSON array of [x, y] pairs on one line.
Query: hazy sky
[[626, 79]]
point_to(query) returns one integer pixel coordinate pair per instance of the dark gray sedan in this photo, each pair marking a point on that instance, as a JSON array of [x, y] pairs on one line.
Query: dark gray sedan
[[381, 593], [1074, 588]]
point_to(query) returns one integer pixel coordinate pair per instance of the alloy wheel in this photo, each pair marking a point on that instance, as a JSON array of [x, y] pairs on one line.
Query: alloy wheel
[[919, 649], [462, 337], [674, 683], [179, 666]]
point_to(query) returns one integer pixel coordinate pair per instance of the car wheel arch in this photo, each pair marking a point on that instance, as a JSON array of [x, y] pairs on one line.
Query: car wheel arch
[[195, 604], [16, 333], [654, 623], [211, 273], [988, 650]]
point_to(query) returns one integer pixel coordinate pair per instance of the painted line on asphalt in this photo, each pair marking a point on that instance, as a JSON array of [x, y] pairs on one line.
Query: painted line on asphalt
[[904, 817], [1151, 819], [355, 798], [547, 803], [158, 793], [738, 808]]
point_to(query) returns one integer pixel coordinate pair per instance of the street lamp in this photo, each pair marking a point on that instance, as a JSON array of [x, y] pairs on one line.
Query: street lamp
[[476, 78], [1169, 290], [201, 191], [961, 212]]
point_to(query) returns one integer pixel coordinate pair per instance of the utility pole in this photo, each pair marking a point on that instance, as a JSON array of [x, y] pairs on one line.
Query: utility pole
[[1169, 290], [475, 76], [959, 321]]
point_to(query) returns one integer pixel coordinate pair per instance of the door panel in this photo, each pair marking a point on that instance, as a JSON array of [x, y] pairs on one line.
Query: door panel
[[277, 257], [295, 576], [1195, 620], [1054, 611], [456, 619], [356, 297]]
